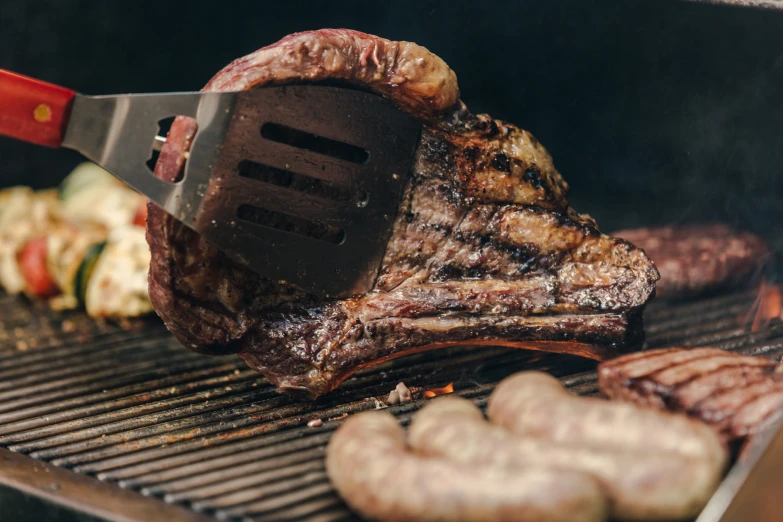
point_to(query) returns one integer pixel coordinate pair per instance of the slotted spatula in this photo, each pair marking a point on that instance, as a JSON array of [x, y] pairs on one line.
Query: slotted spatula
[[299, 183]]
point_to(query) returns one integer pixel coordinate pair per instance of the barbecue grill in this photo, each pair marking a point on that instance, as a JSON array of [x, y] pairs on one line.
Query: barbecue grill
[[121, 421], [117, 421]]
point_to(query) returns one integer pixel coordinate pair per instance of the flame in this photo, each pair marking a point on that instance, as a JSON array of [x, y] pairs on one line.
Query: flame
[[434, 392], [767, 306]]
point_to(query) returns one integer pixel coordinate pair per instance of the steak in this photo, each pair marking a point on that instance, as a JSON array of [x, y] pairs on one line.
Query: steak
[[734, 393], [484, 250], [697, 259]]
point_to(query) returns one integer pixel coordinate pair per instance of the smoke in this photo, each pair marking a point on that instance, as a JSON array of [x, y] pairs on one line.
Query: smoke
[[676, 118]]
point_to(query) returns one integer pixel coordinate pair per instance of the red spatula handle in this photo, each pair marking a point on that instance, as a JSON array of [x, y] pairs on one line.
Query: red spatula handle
[[32, 110]]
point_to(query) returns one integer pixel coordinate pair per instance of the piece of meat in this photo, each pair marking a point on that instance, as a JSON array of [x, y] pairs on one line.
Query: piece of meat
[[484, 249], [535, 404], [733, 393], [371, 467], [698, 259], [641, 483]]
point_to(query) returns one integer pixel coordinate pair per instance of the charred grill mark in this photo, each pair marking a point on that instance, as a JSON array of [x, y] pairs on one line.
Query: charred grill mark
[[443, 228], [441, 164], [475, 238], [416, 259], [436, 148], [451, 272], [744, 428], [716, 393], [660, 360], [715, 386], [471, 152], [526, 256], [481, 171], [722, 414], [492, 129], [646, 384], [415, 220], [445, 273], [501, 162], [693, 370], [485, 125], [533, 176], [703, 409]]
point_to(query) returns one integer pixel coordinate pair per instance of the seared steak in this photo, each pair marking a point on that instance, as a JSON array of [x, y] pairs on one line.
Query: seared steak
[[734, 393], [698, 259], [485, 249]]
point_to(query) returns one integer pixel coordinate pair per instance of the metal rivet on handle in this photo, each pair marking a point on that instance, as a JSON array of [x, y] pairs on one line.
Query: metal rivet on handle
[[42, 113]]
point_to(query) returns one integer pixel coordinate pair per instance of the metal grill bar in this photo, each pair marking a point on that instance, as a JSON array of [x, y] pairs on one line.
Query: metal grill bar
[[139, 393], [130, 416], [128, 406], [141, 374]]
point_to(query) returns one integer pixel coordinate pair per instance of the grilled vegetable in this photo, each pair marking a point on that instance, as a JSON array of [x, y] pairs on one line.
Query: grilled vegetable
[[67, 247], [85, 270], [140, 219], [117, 285], [15, 204], [91, 195], [32, 261], [86, 176], [55, 244], [25, 215]]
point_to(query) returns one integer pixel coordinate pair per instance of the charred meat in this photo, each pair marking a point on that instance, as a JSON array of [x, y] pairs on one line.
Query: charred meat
[[699, 259], [734, 393], [485, 248]]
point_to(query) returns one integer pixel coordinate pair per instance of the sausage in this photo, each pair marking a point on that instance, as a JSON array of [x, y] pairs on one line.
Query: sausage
[[370, 466], [535, 404], [639, 485]]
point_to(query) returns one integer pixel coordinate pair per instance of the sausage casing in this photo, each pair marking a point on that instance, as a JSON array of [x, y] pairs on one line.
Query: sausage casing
[[640, 485], [528, 403], [369, 464]]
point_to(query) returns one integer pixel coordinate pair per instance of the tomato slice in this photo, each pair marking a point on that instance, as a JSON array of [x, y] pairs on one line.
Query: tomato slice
[[32, 261], [140, 219]]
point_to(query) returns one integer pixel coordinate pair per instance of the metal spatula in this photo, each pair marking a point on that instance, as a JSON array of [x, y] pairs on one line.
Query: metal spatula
[[299, 183], [751, 490]]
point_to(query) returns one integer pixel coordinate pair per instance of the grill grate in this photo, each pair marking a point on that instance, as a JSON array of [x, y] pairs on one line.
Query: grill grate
[[127, 405]]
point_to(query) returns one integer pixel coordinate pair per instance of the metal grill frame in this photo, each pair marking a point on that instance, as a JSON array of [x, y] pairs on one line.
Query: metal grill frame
[[121, 422]]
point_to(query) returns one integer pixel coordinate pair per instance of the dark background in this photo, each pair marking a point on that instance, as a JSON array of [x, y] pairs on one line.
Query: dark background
[[655, 111]]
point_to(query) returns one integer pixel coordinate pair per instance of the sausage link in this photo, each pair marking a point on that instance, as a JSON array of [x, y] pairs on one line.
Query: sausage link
[[369, 464], [640, 485], [529, 403]]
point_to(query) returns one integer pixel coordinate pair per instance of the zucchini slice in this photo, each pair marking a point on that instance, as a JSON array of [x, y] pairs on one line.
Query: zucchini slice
[[67, 246], [85, 270]]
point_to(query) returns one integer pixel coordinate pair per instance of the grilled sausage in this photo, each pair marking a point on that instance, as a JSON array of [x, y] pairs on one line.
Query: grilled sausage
[[640, 485], [368, 463], [536, 404]]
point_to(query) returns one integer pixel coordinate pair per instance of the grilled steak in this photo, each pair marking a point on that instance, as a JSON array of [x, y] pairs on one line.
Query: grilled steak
[[484, 250], [698, 259], [733, 393]]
